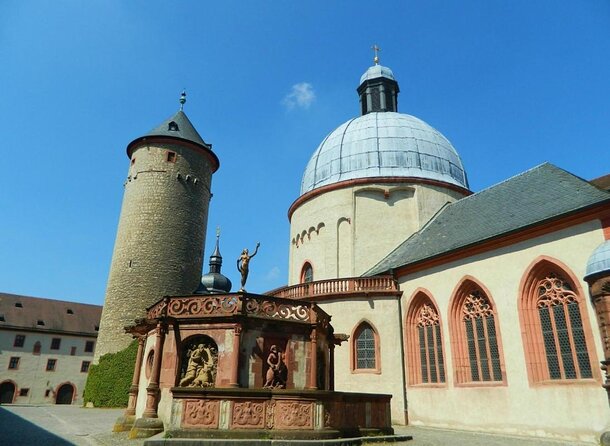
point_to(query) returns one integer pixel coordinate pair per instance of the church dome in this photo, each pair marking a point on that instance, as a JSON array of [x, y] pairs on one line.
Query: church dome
[[383, 144], [599, 261]]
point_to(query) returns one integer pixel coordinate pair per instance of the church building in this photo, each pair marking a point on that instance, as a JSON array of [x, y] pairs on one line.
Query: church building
[[481, 311]]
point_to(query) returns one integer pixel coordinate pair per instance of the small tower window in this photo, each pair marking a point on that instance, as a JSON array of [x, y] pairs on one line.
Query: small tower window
[[172, 127], [69, 311], [307, 273], [19, 305], [171, 157], [40, 322]]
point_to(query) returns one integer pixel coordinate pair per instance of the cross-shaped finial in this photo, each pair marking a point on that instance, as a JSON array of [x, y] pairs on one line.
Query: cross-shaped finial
[[376, 49], [182, 99]]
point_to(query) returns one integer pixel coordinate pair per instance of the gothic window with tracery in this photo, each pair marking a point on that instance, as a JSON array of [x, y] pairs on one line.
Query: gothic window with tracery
[[562, 329], [431, 359], [480, 329], [365, 350]]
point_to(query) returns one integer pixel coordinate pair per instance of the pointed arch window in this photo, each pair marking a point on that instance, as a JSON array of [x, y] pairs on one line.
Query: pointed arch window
[[425, 346], [477, 352], [557, 335], [365, 349]]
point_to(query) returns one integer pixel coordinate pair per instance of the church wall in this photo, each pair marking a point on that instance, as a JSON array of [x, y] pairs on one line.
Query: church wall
[[344, 232], [561, 408], [160, 238], [383, 315]]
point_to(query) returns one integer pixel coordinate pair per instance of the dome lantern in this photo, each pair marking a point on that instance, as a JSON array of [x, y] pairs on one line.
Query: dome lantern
[[378, 89]]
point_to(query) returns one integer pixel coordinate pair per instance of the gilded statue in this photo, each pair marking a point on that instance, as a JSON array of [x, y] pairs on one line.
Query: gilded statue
[[277, 373], [243, 265], [201, 368]]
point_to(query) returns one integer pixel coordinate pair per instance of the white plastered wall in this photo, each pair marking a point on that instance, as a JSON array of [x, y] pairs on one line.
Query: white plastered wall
[[344, 232], [382, 313], [577, 410]]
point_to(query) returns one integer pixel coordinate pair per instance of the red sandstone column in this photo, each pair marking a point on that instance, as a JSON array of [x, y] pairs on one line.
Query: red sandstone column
[[313, 371], [235, 360], [152, 399], [133, 390]]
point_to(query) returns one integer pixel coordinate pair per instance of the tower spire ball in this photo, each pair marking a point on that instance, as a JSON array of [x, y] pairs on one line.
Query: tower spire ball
[[376, 49], [182, 99]]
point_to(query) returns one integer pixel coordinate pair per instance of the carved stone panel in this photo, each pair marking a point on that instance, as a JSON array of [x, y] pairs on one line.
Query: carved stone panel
[[199, 362], [200, 413], [293, 415], [248, 415]]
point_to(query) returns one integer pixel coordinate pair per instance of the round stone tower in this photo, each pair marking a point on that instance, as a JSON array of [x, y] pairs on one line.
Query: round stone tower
[[161, 235]]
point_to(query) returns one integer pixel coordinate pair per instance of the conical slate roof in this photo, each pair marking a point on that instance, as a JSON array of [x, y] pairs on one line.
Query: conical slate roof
[[178, 126]]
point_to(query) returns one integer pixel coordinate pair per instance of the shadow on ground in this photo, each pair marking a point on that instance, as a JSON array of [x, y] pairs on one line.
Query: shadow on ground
[[17, 431]]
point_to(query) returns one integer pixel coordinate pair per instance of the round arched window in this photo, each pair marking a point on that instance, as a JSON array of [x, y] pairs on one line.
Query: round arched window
[[307, 273]]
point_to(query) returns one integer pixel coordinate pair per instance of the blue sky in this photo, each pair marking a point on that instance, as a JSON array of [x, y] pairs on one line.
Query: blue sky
[[510, 83]]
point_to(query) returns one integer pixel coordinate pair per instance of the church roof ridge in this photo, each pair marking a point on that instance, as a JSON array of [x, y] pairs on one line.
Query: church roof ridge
[[499, 209]]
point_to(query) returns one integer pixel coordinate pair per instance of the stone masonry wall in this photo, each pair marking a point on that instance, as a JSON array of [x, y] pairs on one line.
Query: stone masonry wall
[[161, 235]]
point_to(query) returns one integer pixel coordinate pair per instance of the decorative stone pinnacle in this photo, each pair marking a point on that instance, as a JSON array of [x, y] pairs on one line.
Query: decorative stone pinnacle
[[376, 49], [182, 99]]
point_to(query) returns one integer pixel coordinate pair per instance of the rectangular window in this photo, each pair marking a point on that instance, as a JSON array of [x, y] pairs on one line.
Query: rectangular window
[[24, 392], [72, 351], [84, 367], [171, 157], [47, 393], [51, 363], [55, 343], [13, 363], [19, 341], [89, 346]]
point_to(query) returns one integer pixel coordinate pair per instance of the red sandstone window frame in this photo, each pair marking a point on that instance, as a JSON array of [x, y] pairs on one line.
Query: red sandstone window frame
[[51, 365], [84, 366], [36, 348], [171, 156], [460, 353], [306, 266], [419, 298], [358, 328], [531, 326]]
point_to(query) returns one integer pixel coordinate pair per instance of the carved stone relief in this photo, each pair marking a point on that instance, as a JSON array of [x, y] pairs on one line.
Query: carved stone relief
[[277, 372], [201, 413], [248, 414], [293, 415], [199, 362]]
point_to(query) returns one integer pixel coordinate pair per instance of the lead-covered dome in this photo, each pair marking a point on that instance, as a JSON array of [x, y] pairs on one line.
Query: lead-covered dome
[[384, 144], [599, 262]]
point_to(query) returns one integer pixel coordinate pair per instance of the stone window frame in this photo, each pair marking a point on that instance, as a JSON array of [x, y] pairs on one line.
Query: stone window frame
[[358, 328], [461, 351], [531, 326], [89, 346], [84, 366], [55, 343], [36, 348], [51, 365], [24, 391], [13, 363], [307, 266], [419, 298], [19, 340]]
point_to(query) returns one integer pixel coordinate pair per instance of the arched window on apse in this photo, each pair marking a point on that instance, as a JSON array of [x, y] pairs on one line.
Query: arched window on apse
[[365, 348], [307, 273], [474, 332], [557, 341], [425, 347]]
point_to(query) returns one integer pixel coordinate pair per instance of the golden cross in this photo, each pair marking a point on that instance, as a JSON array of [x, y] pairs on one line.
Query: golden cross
[[376, 49]]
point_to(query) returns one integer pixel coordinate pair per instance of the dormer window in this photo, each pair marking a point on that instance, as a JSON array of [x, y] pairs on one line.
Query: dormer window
[[172, 126], [40, 322], [69, 311], [19, 305]]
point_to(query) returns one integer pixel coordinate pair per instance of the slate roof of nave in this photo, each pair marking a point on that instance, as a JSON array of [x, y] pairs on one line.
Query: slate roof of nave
[[25, 312], [534, 196]]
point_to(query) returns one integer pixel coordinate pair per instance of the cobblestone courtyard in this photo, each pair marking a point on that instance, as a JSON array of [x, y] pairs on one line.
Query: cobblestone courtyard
[[71, 425]]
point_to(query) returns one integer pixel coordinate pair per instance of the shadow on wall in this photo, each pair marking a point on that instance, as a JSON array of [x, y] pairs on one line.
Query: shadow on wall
[[16, 430]]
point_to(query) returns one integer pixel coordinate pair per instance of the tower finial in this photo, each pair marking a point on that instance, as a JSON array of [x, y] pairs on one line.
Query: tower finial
[[182, 99], [376, 49], [217, 232]]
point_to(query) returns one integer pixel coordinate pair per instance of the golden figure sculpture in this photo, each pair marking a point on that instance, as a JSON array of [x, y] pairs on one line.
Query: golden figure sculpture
[[243, 265]]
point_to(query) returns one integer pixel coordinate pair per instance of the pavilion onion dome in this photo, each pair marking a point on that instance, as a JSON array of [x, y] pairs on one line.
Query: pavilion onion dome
[[599, 261], [383, 143], [214, 282]]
